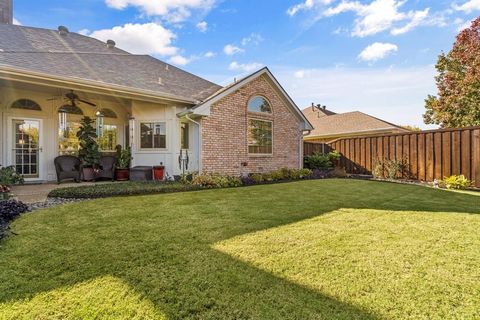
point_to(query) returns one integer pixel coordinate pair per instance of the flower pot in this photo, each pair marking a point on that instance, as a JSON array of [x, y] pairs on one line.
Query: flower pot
[[122, 174], [158, 173], [88, 174]]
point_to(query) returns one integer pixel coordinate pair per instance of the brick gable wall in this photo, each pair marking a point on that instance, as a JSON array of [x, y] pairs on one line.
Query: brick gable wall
[[224, 133]]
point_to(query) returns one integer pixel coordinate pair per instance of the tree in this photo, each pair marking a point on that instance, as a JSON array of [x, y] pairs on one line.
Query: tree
[[89, 152], [458, 82]]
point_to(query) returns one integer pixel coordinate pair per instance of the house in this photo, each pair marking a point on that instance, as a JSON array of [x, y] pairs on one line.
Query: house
[[50, 79], [329, 125]]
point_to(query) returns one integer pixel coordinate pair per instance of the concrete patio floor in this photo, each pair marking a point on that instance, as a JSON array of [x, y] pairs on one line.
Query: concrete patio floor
[[33, 193]]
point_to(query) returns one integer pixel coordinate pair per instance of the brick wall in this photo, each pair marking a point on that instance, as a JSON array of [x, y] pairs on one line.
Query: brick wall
[[224, 135]]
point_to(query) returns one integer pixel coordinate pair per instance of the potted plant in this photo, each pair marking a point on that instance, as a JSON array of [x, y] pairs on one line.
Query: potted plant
[[4, 192], [122, 171], [89, 153]]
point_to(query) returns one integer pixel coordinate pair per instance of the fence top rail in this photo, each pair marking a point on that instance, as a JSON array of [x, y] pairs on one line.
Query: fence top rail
[[407, 133]]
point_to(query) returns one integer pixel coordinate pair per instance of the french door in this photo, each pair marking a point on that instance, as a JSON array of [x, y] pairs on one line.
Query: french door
[[26, 147]]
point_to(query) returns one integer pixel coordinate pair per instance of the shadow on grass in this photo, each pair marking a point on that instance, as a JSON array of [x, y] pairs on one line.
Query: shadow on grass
[[160, 246]]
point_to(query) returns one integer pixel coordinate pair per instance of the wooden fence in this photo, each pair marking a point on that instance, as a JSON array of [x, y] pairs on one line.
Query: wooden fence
[[429, 155]]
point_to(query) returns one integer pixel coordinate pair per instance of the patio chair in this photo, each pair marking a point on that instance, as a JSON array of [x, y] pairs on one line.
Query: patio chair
[[67, 168], [107, 164]]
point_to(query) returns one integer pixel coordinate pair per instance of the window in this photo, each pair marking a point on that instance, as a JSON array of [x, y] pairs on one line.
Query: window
[[184, 135], [69, 118], [108, 113], [259, 104], [108, 139], [259, 136], [26, 104], [153, 135]]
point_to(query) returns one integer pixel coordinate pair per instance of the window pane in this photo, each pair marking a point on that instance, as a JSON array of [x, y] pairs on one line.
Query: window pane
[[159, 137], [68, 143], [108, 140], [146, 135], [153, 135], [259, 136], [259, 104]]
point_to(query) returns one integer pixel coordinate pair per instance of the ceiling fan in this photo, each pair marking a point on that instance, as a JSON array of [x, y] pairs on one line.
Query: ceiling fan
[[73, 98]]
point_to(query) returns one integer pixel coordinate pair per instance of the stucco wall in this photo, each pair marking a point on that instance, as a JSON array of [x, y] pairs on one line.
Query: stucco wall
[[149, 112], [224, 133]]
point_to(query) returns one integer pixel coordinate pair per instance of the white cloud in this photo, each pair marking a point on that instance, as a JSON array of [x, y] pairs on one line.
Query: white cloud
[[377, 51], [396, 95], [416, 19], [84, 32], [306, 5], [462, 25], [209, 54], [179, 60], [16, 21], [148, 38], [202, 26], [378, 16], [244, 67], [171, 10], [253, 38], [231, 50], [468, 6]]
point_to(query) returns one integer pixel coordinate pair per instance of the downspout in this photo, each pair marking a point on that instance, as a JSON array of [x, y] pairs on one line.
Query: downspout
[[199, 141]]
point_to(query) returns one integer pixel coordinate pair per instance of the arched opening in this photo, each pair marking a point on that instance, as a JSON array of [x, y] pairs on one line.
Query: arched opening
[[26, 104]]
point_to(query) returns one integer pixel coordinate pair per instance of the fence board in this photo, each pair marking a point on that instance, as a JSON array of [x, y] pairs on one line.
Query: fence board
[[430, 154]]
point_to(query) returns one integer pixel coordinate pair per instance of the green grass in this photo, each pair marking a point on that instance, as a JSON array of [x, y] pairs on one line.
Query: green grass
[[318, 249]]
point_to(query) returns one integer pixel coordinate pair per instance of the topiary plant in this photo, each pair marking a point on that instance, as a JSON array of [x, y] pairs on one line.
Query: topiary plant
[[89, 152]]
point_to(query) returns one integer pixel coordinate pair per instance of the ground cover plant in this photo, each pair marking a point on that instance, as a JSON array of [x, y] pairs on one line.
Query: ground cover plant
[[313, 249]]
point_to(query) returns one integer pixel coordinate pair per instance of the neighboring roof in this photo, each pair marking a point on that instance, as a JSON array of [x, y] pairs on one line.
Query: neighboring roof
[[346, 123], [204, 107], [319, 112], [80, 57]]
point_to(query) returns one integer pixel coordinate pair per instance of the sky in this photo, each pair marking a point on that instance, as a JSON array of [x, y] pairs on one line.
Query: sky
[[374, 56]]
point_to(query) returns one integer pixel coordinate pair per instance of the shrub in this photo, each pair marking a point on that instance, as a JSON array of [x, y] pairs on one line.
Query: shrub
[[297, 174], [9, 176], [378, 169], [456, 182], [9, 210], [396, 168], [215, 181], [124, 156], [322, 161], [120, 189]]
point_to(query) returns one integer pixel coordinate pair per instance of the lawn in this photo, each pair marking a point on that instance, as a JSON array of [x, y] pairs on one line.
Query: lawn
[[317, 249]]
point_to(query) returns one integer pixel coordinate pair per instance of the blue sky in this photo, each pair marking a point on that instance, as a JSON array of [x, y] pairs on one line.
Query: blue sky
[[376, 56]]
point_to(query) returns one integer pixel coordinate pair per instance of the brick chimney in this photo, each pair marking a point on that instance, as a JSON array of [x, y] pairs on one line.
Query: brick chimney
[[6, 12]]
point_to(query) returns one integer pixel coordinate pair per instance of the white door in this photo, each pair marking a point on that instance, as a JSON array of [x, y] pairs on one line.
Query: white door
[[25, 144]]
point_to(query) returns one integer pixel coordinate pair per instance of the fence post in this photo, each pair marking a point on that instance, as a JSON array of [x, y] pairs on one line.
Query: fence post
[[476, 157]]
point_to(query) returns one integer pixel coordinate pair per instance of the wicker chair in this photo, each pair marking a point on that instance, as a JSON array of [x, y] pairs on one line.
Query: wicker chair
[[107, 164], [67, 168]]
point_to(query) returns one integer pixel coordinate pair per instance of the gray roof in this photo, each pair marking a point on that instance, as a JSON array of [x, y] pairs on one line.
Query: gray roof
[[81, 57]]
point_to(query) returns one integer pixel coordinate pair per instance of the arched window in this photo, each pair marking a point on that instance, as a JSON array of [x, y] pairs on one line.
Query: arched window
[[26, 104], [108, 113], [259, 104], [70, 109]]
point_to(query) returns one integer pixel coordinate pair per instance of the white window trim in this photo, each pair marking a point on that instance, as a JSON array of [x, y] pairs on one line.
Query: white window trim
[[139, 134], [248, 145]]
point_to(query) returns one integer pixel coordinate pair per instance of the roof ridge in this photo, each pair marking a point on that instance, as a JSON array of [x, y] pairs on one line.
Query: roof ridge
[[71, 52]]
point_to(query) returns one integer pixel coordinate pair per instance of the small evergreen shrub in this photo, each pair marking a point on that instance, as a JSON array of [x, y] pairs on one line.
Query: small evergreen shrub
[[322, 161], [9, 176], [456, 182]]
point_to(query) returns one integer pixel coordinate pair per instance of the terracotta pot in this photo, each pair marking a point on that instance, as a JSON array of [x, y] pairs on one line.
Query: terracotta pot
[[122, 174], [88, 174], [158, 173]]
